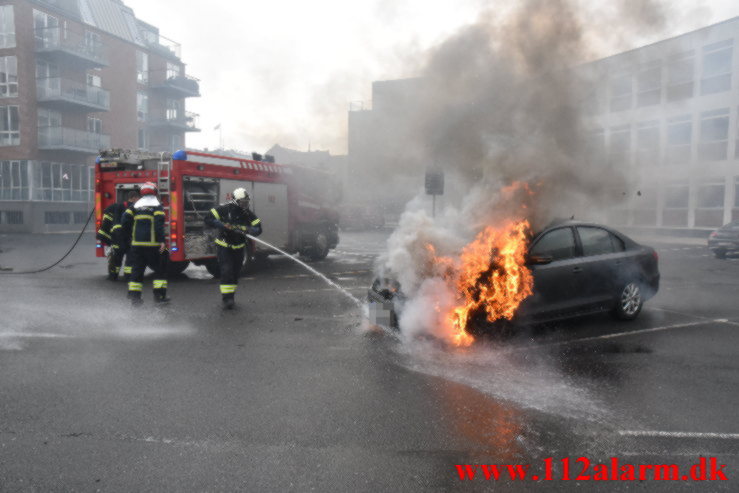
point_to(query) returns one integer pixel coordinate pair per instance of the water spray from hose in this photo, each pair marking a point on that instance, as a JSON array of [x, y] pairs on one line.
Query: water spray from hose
[[328, 281]]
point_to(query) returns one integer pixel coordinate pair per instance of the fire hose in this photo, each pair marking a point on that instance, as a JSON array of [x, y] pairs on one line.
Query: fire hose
[[37, 271]]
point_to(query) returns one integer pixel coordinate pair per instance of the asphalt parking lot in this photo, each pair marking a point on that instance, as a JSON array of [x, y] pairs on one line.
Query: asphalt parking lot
[[293, 391]]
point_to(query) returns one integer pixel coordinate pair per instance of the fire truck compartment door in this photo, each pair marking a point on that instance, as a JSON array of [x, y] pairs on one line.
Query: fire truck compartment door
[[269, 203]]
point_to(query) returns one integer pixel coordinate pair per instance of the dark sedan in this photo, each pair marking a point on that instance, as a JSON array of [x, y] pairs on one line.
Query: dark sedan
[[578, 269], [724, 240]]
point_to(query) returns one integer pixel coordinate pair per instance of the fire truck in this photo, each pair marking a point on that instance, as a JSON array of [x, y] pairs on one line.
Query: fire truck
[[297, 205]]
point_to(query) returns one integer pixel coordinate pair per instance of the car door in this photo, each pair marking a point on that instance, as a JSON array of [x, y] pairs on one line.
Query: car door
[[600, 264], [555, 281]]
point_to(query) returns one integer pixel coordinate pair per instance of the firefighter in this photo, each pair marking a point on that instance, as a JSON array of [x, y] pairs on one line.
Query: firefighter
[[143, 224], [110, 234], [234, 220]]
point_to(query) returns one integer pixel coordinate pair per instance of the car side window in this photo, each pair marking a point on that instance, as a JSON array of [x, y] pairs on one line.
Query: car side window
[[558, 244], [596, 241], [618, 243]]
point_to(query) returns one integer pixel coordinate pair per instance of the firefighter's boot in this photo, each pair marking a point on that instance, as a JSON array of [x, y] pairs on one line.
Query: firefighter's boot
[[160, 291], [160, 295], [134, 293], [228, 302]]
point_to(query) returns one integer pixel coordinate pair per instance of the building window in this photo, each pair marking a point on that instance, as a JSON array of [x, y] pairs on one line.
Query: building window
[[174, 70], [56, 217], [618, 152], [7, 27], [649, 85], [94, 125], [621, 92], [676, 199], [80, 217], [709, 211], [680, 70], [679, 140], [174, 109], [8, 76], [13, 180], [143, 139], [93, 43], [13, 217], [714, 135], [49, 118], [142, 106], [647, 144], [142, 67], [46, 29], [61, 182], [10, 127], [717, 67], [94, 79]]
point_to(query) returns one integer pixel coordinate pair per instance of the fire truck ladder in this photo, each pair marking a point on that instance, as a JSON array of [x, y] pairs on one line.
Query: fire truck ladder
[[164, 173]]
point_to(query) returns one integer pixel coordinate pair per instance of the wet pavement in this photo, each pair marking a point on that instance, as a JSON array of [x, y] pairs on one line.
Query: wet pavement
[[292, 391]]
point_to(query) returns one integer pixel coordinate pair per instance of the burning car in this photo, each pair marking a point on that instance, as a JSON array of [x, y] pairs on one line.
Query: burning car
[[568, 269]]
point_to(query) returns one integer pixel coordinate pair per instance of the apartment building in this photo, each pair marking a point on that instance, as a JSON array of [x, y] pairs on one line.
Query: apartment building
[[77, 76]]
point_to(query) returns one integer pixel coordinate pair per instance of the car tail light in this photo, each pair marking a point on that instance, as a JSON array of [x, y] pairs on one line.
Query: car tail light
[[713, 234], [655, 255]]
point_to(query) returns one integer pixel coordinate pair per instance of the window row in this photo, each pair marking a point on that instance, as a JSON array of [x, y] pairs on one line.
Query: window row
[[42, 180], [669, 142], [671, 79]]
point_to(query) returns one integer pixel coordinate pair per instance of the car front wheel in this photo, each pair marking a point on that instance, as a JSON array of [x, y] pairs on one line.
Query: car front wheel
[[720, 253], [630, 302]]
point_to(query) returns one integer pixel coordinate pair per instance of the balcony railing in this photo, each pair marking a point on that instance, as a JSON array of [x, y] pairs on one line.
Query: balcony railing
[[162, 45], [187, 121], [179, 85], [65, 92], [70, 139], [83, 48]]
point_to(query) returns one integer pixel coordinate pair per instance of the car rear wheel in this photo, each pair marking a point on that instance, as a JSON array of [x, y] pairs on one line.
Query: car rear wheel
[[720, 253], [630, 302]]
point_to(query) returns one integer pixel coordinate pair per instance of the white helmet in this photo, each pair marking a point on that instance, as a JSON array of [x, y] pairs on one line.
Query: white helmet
[[240, 195]]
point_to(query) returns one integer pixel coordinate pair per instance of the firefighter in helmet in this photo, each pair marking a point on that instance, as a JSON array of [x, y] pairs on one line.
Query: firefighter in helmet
[[110, 233], [143, 224], [234, 220]]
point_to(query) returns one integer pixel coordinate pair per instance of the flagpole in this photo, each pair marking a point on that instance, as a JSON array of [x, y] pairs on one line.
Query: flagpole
[[220, 134]]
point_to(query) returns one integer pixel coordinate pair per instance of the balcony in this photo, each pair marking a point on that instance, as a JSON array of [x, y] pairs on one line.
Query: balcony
[[177, 86], [187, 122], [70, 139], [71, 48], [164, 46], [65, 94]]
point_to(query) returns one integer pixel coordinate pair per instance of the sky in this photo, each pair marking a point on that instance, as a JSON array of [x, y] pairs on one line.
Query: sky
[[285, 71]]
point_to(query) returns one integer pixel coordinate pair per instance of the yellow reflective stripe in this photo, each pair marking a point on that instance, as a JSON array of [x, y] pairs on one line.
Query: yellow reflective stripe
[[116, 269], [236, 247], [255, 222], [228, 288], [157, 213], [135, 286], [158, 284], [114, 246], [108, 216], [117, 226], [128, 211], [221, 242], [127, 270], [144, 243], [101, 232], [242, 228], [215, 213], [143, 216]]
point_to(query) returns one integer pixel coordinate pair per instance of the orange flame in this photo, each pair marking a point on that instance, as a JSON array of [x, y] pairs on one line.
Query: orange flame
[[490, 277]]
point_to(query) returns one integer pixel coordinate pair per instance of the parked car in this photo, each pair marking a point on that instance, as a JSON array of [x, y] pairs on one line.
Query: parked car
[[724, 240], [578, 268]]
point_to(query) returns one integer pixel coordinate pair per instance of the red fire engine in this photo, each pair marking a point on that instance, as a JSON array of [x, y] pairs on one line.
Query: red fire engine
[[297, 205]]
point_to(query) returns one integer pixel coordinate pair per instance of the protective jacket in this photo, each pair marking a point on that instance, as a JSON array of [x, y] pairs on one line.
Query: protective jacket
[[143, 223], [233, 222], [112, 216]]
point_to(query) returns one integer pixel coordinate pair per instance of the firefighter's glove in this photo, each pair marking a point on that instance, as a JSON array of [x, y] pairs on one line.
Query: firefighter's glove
[[254, 231]]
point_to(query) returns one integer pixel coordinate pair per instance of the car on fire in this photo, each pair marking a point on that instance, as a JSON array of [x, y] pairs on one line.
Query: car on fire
[[578, 269], [724, 240]]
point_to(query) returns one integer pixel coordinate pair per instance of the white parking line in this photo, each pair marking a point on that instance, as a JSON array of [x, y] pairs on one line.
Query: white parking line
[[619, 334], [677, 434]]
